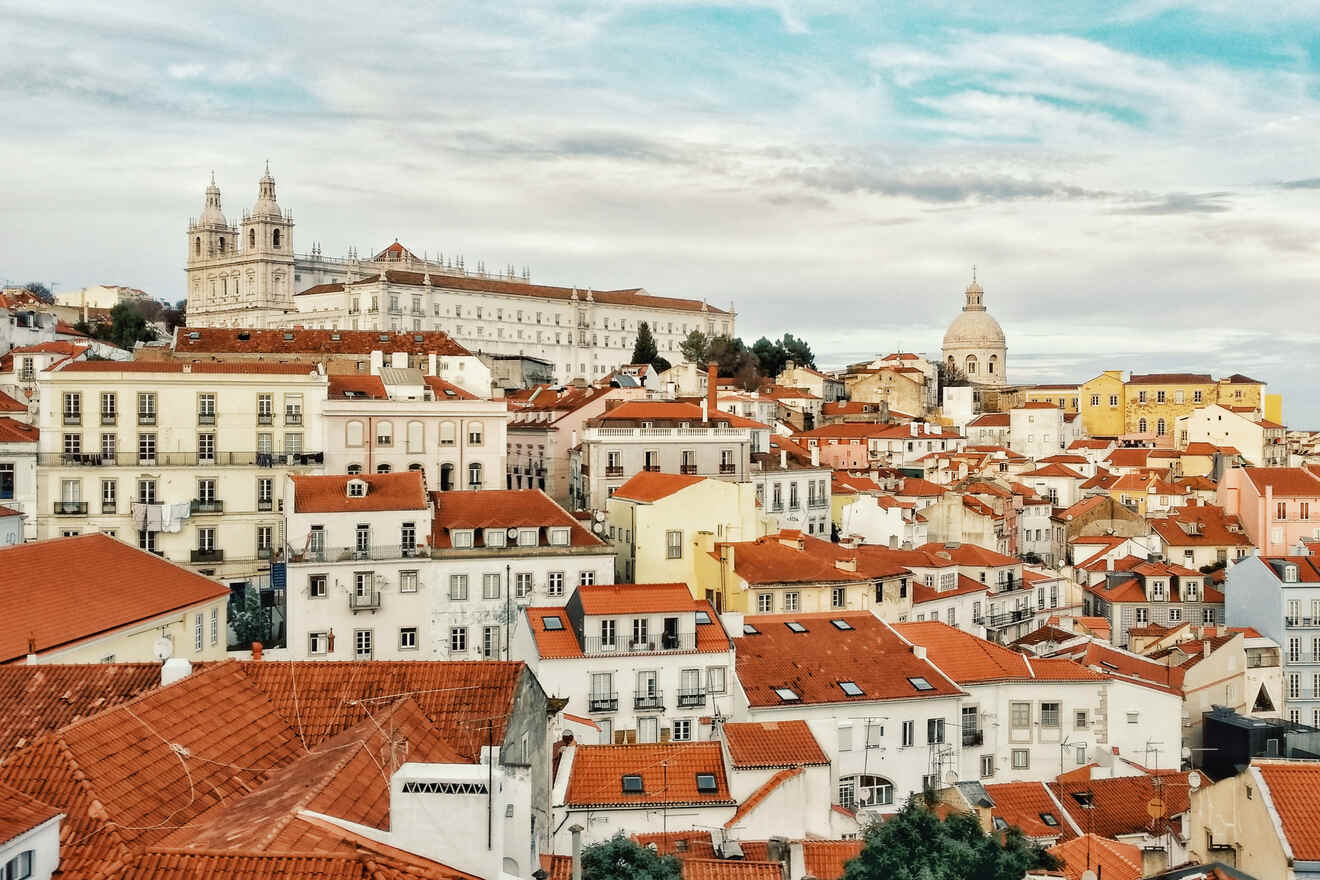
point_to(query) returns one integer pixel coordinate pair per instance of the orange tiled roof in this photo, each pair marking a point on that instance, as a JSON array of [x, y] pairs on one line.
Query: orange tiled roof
[[668, 411], [813, 663], [1292, 790], [14, 431], [991, 420], [970, 660], [668, 770], [22, 813], [445, 390], [247, 340], [60, 591], [508, 508], [1054, 469], [969, 554], [769, 560], [258, 368], [344, 387], [1025, 804], [1170, 379], [1286, 482], [772, 744], [1118, 804], [825, 859], [39, 699], [562, 643], [1212, 527], [55, 346], [328, 493], [9, 404], [635, 598], [649, 486], [375, 862], [724, 869], [1113, 860]]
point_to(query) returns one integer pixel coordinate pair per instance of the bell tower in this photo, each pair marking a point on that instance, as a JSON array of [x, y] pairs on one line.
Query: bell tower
[[212, 246], [267, 240]]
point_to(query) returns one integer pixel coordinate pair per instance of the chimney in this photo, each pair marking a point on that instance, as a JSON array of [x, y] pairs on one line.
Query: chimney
[[1205, 649], [256, 650], [174, 669], [712, 384], [815, 456], [783, 459], [576, 831]]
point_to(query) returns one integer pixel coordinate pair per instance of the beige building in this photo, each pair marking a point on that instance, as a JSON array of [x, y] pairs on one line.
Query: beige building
[[975, 343], [95, 599], [185, 460], [100, 296], [1259, 441], [901, 388], [1262, 821], [660, 523]]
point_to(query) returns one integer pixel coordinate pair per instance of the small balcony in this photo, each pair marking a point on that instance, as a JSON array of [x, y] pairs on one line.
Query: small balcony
[[365, 601], [603, 703], [691, 699], [265, 418], [374, 552], [728, 468], [206, 418], [265, 552], [648, 700], [146, 418], [653, 468], [70, 508], [972, 738], [109, 419], [293, 418], [210, 505], [73, 418], [687, 469], [207, 556], [265, 504], [613, 471]]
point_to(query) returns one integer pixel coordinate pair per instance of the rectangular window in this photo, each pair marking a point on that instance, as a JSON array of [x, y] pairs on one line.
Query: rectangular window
[[987, 766], [206, 408], [457, 639], [316, 586], [73, 444], [197, 632], [765, 602], [934, 730], [682, 730], [146, 407], [109, 448], [265, 409], [1020, 716], [715, 679], [215, 626], [490, 641], [6, 481], [838, 597], [407, 582], [458, 587], [490, 586], [586, 578], [146, 448], [607, 635], [1080, 721], [522, 584], [363, 647], [674, 544], [109, 495], [1021, 759], [908, 734], [1050, 715], [408, 638], [554, 583], [791, 600]]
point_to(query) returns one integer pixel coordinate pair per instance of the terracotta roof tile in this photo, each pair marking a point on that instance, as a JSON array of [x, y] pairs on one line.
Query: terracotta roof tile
[[770, 560], [772, 744], [669, 775], [351, 387], [1292, 790], [446, 390], [404, 490], [1054, 469], [54, 346], [35, 700], [171, 864], [562, 643], [638, 598], [812, 664], [825, 859], [508, 508], [9, 404], [723, 869], [1118, 804], [41, 601], [1200, 525], [1170, 379], [258, 368], [969, 554], [1025, 805], [228, 340], [1113, 860], [648, 486], [13, 431], [1286, 482], [21, 814], [970, 660]]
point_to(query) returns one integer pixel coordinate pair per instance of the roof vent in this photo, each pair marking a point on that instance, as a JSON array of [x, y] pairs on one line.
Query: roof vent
[[194, 335], [288, 337], [244, 336], [384, 337], [417, 337], [334, 337]]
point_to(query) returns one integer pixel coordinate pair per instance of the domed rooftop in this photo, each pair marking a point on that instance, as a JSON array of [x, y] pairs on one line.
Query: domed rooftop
[[974, 327], [266, 206], [211, 214]]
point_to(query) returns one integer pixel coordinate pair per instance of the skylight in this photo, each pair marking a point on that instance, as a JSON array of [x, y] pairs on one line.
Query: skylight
[[749, 630], [706, 783], [702, 617], [632, 784], [788, 695], [850, 688], [1083, 798], [921, 684], [841, 624], [1048, 819], [552, 623], [795, 626]]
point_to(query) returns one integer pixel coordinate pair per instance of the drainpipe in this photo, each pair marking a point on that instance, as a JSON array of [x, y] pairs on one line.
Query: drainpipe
[[576, 831]]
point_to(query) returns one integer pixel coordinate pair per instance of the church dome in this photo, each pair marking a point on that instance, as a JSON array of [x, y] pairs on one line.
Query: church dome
[[211, 214], [974, 327], [266, 206]]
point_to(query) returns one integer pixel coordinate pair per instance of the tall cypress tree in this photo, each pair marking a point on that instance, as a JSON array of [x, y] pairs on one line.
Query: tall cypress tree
[[644, 350]]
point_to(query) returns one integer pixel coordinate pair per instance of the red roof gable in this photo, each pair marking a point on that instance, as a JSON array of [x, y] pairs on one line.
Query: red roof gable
[[404, 490], [970, 660], [648, 486], [508, 508], [668, 770], [772, 744], [1292, 790]]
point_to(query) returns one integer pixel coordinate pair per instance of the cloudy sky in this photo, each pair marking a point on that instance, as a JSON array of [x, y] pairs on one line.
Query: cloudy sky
[[1137, 183]]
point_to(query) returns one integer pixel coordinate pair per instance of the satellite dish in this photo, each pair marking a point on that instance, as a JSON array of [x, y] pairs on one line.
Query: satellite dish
[[1193, 780], [163, 649], [600, 516], [512, 532], [598, 528]]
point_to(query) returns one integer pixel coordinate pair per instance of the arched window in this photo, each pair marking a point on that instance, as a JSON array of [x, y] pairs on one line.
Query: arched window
[[1159, 428], [970, 365], [865, 791], [446, 477], [382, 469], [354, 469], [474, 475], [1141, 426], [448, 434], [415, 433], [222, 244], [353, 434], [993, 364], [275, 238], [197, 246], [252, 238]]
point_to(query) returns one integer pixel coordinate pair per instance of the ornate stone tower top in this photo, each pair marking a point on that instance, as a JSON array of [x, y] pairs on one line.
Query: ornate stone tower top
[[266, 206], [211, 213]]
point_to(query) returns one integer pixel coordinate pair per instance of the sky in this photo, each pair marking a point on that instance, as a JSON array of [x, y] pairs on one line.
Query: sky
[[1136, 182]]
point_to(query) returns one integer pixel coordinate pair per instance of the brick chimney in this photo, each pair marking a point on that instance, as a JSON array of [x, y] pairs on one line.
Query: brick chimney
[[712, 388]]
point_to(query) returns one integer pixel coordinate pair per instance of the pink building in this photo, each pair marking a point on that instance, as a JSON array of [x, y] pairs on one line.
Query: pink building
[[1278, 506]]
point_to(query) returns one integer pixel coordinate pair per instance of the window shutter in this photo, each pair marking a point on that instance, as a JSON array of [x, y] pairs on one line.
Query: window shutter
[[664, 734]]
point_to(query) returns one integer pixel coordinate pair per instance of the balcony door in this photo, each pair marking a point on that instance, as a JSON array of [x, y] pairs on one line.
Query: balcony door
[[647, 686]]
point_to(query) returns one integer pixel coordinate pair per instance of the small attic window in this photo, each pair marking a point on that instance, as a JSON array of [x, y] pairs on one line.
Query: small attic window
[[417, 337], [632, 784], [921, 684], [1048, 819], [288, 337], [1083, 798], [552, 623], [706, 783], [702, 618], [194, 335], [850, 688], [796, 627], [749, 630], [841, 624], [788, 695], [384, 337], [559, 536], [334, 337], [357, 488], [244, 336]]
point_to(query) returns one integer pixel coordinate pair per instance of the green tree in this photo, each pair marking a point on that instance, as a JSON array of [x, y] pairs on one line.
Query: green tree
[[769, 356], [797, 351], [660, 364], [128, 326], [644, 350], [621, 858], [694, 347], [916, 845], [950, 375], [40, 291], [250, 621]]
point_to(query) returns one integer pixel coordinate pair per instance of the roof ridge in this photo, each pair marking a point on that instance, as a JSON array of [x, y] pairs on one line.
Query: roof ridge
[[753, 800]]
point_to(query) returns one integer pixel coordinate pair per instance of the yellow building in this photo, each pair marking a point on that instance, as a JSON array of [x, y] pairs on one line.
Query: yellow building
[[1101, 401], [1153, 402], [94, 599], [784, 572], [660, 525], [1065, 397]]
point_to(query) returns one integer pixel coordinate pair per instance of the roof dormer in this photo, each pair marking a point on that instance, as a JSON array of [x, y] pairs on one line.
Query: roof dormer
[[357, 489]]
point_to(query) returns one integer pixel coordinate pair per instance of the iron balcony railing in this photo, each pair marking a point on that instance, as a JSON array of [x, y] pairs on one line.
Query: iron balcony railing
[[265, 418], [206, 418], [134, 458], [212, 505], [365, 601], [1009, 617], [689, 699], [73, 418], [70, 508], [372, 552], [603, 702], [728, 468], [293, 418], [624, 644], [972, 737], [109, 418], [648, 700], [207, 556]]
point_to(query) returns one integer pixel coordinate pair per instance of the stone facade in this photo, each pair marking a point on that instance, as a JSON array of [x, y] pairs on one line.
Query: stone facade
[[975, 342]]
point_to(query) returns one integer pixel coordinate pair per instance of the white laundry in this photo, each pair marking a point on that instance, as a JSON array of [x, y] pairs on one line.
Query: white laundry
[[173, 515], [155, 518]]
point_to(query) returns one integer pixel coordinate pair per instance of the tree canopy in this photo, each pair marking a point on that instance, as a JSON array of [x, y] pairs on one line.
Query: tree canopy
[[127, 326], [773, 356], [644, 350], [916, 845], [622, 858], [950, 375], [40, 291]]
